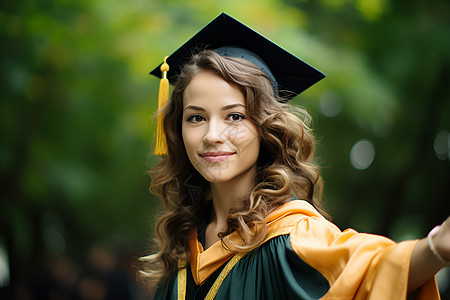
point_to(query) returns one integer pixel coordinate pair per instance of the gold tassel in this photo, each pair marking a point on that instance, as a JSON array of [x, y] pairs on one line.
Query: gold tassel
[[163, 97]]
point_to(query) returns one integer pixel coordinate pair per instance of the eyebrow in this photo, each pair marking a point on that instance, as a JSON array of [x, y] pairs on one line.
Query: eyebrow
[[226, 107], [231, 106], [194, 108]]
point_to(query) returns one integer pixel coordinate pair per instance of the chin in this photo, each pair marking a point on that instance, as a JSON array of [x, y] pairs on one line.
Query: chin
[[216, 177]]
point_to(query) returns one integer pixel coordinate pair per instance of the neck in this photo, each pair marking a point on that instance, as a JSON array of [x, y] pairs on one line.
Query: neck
[[229, 195]]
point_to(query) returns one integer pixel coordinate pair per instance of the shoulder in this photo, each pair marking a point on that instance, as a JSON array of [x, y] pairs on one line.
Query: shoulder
[[309, 229], [296, 213], [303, 225]]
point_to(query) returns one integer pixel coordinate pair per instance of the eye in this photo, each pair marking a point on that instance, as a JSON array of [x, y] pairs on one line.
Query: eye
[[235, 117], [195, 119]]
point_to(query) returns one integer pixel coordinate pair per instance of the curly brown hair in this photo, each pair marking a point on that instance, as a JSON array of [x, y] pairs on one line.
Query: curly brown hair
[[285, 166]]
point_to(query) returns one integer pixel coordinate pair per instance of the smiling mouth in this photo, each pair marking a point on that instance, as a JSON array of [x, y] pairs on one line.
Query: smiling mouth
[[216, 157]]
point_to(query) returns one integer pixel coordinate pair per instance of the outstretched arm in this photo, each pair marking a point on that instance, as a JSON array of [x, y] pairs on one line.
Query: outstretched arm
[[424, 263]]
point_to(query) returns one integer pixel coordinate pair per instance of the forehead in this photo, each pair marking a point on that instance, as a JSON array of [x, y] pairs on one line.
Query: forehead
[[209, 89]]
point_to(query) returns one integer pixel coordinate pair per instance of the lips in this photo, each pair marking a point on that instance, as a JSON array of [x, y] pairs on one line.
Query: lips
[[216, 157]]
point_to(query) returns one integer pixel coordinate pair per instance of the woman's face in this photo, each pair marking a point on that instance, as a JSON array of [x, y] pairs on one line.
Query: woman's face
[[221, 141]]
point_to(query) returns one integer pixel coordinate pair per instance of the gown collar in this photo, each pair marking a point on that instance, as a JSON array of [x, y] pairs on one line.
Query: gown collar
[[204, 262]]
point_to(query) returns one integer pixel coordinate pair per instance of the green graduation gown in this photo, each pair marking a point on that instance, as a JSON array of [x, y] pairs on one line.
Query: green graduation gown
[[304, 256]]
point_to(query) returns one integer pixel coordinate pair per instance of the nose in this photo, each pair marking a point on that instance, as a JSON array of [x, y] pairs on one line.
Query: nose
[[216, 133]]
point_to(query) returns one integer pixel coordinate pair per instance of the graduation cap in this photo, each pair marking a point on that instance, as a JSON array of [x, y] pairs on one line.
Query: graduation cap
[[228, 37]]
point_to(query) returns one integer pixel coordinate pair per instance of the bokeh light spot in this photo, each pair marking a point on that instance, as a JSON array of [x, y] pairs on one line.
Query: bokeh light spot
[[362, 154], [442, 145], [4, 265], [330, 104]]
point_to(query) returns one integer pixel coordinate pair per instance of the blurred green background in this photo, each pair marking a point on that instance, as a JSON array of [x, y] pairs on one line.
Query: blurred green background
[[77, 125]]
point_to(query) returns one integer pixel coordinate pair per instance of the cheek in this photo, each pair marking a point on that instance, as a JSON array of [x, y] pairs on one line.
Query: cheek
[[255, 147], [191, 140], [186, 140], [255, 143], [247, 138]]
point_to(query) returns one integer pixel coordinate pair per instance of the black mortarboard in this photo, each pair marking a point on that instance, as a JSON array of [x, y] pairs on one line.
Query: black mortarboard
[[290, 75]]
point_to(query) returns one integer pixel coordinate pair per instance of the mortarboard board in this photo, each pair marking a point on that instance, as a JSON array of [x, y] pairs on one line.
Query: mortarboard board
[[228, 37]]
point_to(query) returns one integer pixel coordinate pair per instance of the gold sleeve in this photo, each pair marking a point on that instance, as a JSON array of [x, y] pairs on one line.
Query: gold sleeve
[[357, 266]]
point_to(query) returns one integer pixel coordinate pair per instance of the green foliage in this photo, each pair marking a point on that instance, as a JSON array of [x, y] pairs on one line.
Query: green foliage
[[77, 112]]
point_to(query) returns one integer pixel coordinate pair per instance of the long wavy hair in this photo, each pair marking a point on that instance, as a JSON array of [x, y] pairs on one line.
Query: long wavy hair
[[285, 167]]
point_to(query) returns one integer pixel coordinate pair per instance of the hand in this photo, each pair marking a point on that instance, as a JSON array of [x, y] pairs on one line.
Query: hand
[[440, 238]]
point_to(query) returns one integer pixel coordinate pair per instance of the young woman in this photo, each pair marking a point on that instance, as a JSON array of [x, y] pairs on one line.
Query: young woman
[[242, 198]]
